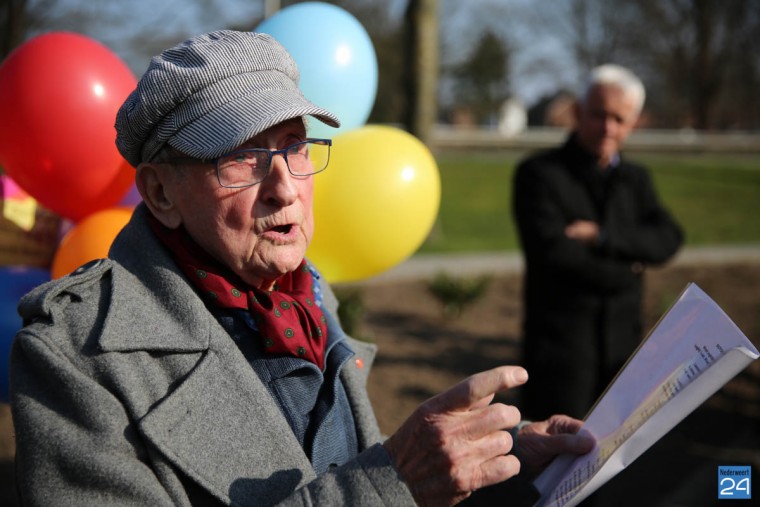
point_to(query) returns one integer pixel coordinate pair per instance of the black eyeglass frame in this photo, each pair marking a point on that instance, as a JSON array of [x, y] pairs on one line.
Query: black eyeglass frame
[[270, 154]]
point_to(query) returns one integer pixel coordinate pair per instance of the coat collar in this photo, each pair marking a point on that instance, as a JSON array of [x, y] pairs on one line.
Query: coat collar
[[142, 308]]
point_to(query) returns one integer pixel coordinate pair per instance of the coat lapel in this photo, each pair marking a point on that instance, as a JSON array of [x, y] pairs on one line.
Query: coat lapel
[[221, 428]]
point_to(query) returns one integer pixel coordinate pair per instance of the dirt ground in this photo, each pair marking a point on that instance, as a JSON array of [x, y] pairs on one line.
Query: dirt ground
[[423, 353]]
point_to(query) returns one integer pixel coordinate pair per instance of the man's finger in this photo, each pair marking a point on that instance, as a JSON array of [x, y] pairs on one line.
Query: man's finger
[[497, 470], [570, 444], [473, 389], [558, 424], [482, 403], [492, 419]]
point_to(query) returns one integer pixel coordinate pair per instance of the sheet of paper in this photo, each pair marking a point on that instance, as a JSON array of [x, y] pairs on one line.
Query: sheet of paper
[[692, 352]]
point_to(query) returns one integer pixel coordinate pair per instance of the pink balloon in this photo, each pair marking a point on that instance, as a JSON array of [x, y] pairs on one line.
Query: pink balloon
[[132, 198], [10, 190]]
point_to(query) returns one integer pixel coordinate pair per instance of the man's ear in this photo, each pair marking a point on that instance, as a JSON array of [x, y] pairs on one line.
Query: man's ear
[[154, 182]]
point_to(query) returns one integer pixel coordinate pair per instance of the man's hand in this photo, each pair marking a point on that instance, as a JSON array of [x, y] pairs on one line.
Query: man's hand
[[584, 231], [538, 443], [454, 443]]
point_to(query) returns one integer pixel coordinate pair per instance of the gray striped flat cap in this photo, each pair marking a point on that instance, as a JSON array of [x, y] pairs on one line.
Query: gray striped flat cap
[[210, 94]]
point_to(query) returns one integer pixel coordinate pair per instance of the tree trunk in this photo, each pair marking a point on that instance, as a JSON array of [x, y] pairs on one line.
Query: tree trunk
[[13, 26], [421, 62]]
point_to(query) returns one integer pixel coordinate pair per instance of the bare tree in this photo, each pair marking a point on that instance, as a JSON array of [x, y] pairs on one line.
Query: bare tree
[[133, 36], [387, 35], [700, 59], [18, 18], [693, 55], [421, 58], [592, 32], [692, 49], [12, 23], [597, 30]]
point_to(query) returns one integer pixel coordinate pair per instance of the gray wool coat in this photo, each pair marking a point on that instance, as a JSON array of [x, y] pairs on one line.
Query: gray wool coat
[[126, 391]]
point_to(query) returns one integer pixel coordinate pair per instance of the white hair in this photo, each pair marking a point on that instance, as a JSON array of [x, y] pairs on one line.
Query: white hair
[[616, 75]]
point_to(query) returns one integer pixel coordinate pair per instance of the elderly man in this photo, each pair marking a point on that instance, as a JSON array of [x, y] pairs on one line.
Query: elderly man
[[589, 222], [202, 363]]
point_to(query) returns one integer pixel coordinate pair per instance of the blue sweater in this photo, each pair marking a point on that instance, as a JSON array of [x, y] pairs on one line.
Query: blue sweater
[[313, 402]]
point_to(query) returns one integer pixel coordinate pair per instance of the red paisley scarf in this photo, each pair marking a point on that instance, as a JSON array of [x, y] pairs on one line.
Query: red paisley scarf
[[288, 319]]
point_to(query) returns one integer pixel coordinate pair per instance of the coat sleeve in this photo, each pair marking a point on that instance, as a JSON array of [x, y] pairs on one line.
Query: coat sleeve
[[369, 480], [541, 224], [654, 236]]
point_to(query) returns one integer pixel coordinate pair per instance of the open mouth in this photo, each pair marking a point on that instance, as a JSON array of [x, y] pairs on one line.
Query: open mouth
[[282, 229]]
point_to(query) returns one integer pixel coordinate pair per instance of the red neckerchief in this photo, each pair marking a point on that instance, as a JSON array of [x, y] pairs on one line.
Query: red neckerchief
[[288, 319]]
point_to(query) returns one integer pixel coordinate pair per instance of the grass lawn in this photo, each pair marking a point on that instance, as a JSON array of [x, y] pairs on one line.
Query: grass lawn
[[715, 197]]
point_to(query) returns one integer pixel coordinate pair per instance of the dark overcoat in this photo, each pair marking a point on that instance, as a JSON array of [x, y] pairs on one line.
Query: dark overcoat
[[583, 302]]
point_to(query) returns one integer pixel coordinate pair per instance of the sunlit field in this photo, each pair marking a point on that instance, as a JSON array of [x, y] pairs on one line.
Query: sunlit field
[[715, 197]]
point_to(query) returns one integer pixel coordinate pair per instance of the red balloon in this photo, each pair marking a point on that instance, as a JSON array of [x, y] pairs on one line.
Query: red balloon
[[117, 190], [59, 94]]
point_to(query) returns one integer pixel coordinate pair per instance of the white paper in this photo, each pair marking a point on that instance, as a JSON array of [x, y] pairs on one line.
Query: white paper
[[692, 352]]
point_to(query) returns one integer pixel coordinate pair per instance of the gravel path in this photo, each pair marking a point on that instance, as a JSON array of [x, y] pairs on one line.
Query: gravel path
[[427, 265]]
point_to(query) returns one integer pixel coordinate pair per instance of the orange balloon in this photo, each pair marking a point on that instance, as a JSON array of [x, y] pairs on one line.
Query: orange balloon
[[88, 240]]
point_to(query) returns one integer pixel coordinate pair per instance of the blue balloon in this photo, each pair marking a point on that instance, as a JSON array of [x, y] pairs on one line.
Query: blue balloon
[[336, 61], [15, 282]]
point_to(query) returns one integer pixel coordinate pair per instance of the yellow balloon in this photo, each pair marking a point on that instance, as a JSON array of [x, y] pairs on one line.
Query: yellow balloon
[[375, 204]]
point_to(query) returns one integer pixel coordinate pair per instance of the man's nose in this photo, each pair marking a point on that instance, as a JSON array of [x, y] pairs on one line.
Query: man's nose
[[279, 185], [610, 124]]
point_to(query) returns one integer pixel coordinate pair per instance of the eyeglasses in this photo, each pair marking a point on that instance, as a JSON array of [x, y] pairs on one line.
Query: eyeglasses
[[245, 168]]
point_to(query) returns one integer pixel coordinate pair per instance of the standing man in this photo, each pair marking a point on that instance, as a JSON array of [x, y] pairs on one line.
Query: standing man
[[589, 223]]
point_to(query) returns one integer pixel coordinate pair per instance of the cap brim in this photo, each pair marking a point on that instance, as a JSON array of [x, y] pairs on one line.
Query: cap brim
[[228, 126]]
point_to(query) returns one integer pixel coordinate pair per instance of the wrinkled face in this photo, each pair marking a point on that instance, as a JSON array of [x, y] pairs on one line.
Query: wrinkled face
[[260, 232], [604, 121]]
